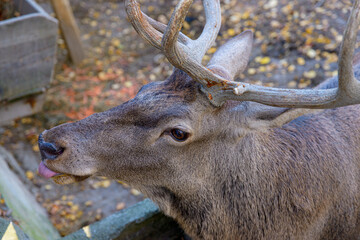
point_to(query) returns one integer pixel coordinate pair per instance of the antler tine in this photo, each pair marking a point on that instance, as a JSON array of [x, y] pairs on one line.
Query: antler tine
[[141, 25], [207, 38], [185, 57], [148, 28], [213, 23], [169, 41], [162, 27], [348, 85], [347, 93]]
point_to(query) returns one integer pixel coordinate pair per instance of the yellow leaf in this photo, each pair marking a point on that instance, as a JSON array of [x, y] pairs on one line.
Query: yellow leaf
[[102, 32], [231, 32], [311, 53], [36, 148], [87, 231], [29, 175], [206, 58], [135, 192], [128, 84], [251, 71], [151, 8], [264, 47], [186, 25], [331, 58], [262, 69], [245, 15], [301, 61], [275, 24], [304, 83], [115, 42], [310, 74], [309, 30], [322, 39], [71, 217], [79, 214], [265, 60], [211, 50], [75, 208], [10, 233], [105, 183], [292, 84], [26, 120], [120, 206], [291, 68], [93, 23], [96, 15], [102, 76]]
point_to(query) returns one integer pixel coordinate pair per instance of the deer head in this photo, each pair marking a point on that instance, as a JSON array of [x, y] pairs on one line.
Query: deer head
[[177, 137]]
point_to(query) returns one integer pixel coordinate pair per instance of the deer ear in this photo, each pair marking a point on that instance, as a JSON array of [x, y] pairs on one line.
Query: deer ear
[[233, 56]]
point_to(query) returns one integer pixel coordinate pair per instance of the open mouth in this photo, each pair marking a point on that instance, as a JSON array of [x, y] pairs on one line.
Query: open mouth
[[59, 178]]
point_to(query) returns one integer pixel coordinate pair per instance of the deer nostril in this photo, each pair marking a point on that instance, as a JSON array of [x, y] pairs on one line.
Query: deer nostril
[[49, 150]]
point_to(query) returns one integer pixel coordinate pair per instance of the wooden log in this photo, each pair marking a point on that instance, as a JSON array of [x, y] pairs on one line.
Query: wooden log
[[20, 108], [70, 29], [31, 216]]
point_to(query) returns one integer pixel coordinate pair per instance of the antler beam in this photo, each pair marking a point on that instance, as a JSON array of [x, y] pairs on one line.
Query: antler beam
[[186, 54], [347, 93]]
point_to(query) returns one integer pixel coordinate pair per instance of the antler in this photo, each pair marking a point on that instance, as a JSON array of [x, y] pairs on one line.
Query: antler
[[153, 31], [186, 54]]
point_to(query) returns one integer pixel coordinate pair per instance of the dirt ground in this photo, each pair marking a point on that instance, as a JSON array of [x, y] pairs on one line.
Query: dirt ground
[[296, 46]]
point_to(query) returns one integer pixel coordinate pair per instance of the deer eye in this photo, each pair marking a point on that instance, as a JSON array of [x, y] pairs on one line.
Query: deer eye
[[179, 135]]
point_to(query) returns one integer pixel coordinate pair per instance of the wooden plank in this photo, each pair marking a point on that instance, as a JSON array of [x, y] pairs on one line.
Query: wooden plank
[[70, 29], [31, 216], [29, 44], [21, 108], [139, 222]]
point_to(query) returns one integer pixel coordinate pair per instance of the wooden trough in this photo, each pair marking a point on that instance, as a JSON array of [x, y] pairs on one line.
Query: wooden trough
[[27, 57], [142, 221]]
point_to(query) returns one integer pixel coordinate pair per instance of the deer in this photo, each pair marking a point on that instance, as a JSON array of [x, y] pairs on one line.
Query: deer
[[226, 159]]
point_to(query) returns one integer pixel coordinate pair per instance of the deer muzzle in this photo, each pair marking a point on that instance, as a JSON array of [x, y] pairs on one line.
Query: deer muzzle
[[48, 151]]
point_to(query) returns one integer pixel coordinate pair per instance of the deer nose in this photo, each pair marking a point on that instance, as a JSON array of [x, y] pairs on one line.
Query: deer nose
[[49, 150]]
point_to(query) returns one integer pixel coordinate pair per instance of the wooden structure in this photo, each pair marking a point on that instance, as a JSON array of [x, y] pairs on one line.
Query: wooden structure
[[27, 47], [70, 29], [142, 221], [31, 216]]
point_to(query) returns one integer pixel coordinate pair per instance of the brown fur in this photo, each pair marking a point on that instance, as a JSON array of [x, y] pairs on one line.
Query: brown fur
[[233, 178]]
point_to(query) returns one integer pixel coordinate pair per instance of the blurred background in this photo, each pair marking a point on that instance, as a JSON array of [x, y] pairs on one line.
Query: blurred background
[[296, 46]]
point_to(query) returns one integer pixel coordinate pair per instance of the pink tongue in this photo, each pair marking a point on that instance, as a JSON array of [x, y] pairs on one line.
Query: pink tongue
[[45, 172]]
